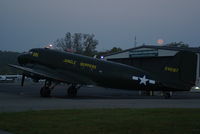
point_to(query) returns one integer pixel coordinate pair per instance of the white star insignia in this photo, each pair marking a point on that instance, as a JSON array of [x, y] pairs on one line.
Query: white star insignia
[[143, 80]]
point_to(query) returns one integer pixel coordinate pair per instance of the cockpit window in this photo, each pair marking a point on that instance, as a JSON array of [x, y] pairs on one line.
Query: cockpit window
[[34, 53]]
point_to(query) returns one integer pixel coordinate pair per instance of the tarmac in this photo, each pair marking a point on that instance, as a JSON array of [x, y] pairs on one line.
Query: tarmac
[[14, 98], [4, 132]]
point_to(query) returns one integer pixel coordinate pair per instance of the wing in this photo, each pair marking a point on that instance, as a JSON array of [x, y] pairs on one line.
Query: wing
[[57, 75]]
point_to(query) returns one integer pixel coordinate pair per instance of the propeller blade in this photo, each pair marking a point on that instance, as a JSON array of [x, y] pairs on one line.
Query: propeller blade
[[22, 82]]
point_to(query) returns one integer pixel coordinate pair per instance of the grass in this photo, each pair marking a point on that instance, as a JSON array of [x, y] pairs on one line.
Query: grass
[[103, 121]]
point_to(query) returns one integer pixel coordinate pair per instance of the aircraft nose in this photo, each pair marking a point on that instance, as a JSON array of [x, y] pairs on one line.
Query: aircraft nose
[[23, 59]]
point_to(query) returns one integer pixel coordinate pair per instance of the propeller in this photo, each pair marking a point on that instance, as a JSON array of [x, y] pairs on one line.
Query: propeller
[[22, 82]]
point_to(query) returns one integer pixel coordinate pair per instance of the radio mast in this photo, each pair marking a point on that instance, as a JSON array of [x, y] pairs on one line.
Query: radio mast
[[135, 41]]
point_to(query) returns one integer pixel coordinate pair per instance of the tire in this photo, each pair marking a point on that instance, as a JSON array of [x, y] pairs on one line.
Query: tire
[[167, 95], [72, 91], [45, 92]]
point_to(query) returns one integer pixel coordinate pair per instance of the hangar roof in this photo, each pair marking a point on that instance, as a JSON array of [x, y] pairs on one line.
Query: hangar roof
[[193, 49]]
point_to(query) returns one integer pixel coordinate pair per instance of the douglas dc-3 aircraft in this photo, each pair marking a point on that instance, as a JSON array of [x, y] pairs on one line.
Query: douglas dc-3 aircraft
[[77, 70]]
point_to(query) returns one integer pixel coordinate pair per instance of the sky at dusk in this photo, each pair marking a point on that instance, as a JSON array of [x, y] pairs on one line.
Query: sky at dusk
[[26, 24]]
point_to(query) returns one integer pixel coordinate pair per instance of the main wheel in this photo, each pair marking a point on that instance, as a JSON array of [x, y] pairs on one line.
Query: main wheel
[[45, 92], [167, 95], [72, 91]]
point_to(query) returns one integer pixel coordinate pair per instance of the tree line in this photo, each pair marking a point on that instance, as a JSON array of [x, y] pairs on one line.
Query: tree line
[[7, 57]]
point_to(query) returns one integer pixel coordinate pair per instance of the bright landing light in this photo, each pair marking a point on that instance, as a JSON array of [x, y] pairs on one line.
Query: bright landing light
[[197, 88], [49, 46]]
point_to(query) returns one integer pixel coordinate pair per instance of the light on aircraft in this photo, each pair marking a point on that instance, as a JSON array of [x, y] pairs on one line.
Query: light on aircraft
[[50, 46]]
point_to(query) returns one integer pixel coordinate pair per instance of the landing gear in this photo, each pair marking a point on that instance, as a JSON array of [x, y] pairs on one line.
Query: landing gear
[[167, 95], [46, 89], [49, 85], [146, 92], [45, 92], [72, 90]]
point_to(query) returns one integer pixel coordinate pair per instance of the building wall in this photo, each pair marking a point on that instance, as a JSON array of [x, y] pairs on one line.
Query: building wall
[[142, 52], [119, 55], [162, 52]]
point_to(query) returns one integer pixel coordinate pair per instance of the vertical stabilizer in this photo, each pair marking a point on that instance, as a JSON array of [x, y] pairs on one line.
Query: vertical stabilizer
[[180, 72]]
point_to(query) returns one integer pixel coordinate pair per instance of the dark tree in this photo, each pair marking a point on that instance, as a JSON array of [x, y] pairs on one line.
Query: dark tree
[[113, 50], [60, 43], [177, 44], [89, 44], [78, 43], [8, 58], [68, 41]]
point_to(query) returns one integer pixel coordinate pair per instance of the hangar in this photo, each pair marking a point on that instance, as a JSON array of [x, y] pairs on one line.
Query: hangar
[[153, 58]]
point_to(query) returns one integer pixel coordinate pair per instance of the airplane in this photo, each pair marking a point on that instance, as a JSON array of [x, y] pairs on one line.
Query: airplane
[[57, 67]]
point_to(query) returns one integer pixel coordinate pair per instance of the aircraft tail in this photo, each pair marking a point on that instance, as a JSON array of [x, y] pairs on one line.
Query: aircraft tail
[[180, 72]]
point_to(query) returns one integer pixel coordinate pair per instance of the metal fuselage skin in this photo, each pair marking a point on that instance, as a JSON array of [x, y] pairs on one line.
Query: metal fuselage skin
[[100, 72]]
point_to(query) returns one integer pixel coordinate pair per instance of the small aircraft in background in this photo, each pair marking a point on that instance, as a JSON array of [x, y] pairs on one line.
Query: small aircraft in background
[[77, 70]]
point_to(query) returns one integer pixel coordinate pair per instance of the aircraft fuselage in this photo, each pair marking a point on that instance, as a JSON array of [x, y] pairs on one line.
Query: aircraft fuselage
[[100, 72]]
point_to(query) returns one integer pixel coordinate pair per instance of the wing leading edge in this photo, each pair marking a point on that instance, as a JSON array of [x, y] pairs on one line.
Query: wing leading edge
[[57, 75]]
